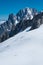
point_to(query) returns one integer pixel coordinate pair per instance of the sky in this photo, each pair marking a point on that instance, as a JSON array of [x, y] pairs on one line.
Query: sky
[[13, 6]]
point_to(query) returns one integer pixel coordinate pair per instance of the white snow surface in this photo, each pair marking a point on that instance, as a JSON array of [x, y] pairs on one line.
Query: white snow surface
[[25, 48]]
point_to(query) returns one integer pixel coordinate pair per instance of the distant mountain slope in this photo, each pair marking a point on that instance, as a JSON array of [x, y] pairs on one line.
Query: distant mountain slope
[[25, 48], [2, 21]]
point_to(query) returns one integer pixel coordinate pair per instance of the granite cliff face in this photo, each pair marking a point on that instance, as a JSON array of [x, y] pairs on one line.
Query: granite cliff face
[[24, 18]]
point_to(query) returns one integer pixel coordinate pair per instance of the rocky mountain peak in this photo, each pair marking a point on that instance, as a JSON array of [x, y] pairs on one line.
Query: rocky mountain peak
[[26, 14], [26, 17]]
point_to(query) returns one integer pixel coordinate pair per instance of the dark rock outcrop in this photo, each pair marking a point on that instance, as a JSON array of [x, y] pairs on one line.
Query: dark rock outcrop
[[37, 21]]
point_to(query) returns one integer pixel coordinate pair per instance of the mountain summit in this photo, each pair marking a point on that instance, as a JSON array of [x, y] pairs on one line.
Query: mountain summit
[[26, 14]]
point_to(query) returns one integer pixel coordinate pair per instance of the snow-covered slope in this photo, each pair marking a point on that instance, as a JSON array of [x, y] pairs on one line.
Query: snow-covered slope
[[25, 48]]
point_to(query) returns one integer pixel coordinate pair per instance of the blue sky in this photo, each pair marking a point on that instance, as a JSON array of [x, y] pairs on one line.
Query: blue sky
[[13, 6]]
